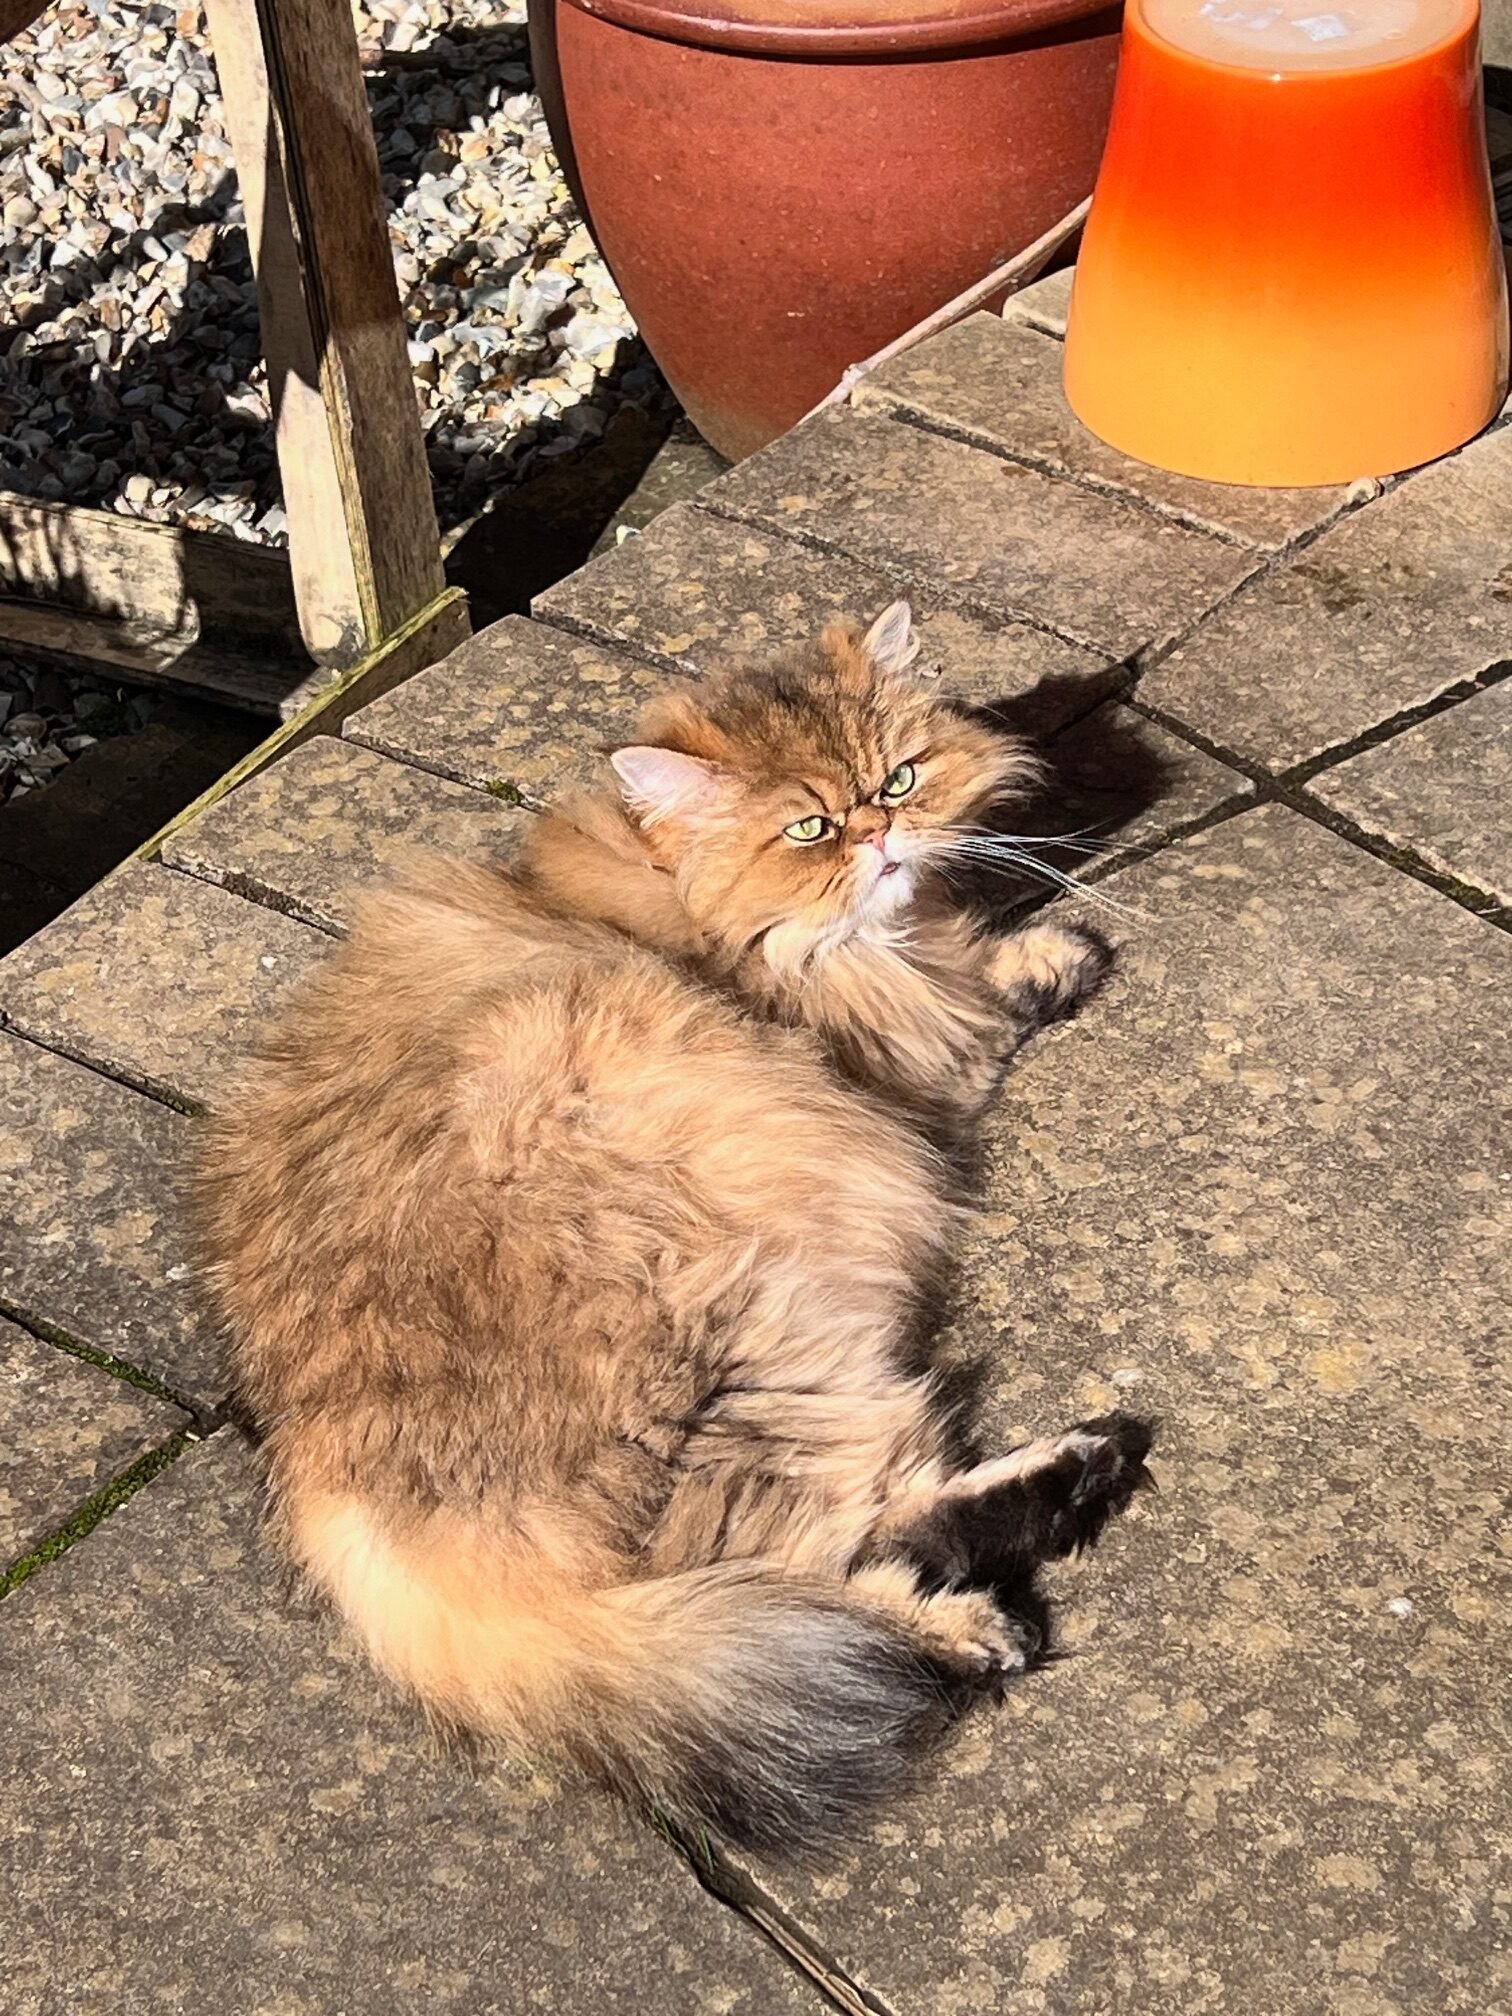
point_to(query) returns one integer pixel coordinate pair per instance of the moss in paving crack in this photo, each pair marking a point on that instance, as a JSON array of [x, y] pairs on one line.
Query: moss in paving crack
[[507, 794], [118, 1368], [93, 1510], [691, 1843], [154, 1088], [1481, 901]]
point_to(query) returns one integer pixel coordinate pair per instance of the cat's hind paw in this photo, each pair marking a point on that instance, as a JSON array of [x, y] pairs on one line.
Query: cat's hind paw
[[1040, 1502]]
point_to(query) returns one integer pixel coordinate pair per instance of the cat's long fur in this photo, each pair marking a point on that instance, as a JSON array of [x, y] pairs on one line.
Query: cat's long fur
[[572, 1234]]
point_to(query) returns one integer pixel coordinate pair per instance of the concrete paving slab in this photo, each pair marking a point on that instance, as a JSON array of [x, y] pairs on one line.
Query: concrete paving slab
[[694, 589], [1094, 568], [1443, 790], [95, 1242], [1384, 613], [66, 1429], [519, 707], [1259, 1189], [217, 1808], [1043, 304], [997, 385], [307, 835], [157, 978]]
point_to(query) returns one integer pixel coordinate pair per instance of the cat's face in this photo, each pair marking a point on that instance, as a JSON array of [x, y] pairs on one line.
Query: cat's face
[[801, 804]]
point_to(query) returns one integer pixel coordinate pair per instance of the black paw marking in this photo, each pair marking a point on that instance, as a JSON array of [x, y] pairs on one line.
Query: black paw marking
[[998, 1536], [1082, 962], [1100, 1482]]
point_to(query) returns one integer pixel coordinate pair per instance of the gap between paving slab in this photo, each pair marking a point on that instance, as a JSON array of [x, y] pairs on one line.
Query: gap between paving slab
[[307, 833], [1303, 773], [99, 1257], [739, 1891], [1092, 568], [1478, 897], [95, 1510], [1441, 792], [68, 1433], [696, 588], [57, 1338], [522, 711]]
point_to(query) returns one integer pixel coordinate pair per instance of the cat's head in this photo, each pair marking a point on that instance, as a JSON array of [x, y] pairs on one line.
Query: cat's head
[[801, 802]]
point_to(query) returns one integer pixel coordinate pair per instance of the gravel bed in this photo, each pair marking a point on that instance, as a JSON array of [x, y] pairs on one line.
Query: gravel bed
[[49, 716], [129, 367]]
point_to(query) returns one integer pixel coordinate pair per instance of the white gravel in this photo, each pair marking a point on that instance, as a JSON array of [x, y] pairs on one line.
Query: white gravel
[[133, 379]]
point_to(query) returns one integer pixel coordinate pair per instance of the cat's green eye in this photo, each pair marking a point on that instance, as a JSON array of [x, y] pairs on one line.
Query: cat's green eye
[[900, 783], [806, 831]]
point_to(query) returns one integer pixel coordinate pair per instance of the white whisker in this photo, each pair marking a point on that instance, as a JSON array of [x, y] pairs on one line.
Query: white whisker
[[999, 852], [1077, 839]]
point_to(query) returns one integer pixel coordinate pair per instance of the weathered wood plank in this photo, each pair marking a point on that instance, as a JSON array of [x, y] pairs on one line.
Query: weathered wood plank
[[362, 528], [140, 654], [177, 583], [197, 611]]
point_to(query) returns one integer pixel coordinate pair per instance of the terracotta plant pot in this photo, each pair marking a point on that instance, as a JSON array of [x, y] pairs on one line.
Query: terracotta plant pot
[[782, 186]]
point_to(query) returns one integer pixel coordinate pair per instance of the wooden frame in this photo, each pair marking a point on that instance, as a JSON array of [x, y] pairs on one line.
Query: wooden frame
[[268, 629]]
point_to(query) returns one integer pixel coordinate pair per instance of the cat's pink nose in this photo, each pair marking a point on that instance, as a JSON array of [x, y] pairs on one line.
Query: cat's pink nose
[[879, 841]]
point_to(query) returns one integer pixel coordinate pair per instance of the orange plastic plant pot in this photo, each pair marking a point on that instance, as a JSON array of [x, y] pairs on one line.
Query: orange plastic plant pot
[[1291, 274]]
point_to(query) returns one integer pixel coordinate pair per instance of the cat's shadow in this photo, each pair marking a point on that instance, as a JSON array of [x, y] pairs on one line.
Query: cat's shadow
[[1102, 774]]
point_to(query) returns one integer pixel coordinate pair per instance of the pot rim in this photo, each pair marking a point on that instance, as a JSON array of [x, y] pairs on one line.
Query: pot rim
[[820, 29]]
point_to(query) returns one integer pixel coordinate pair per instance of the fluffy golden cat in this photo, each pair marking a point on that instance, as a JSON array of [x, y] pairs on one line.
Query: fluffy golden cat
[[578, 1233]]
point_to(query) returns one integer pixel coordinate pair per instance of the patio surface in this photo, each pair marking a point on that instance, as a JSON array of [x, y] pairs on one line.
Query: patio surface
[[1260, 1189]]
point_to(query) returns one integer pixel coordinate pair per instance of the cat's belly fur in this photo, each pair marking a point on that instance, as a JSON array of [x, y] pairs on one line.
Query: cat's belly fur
[[518, 1258]]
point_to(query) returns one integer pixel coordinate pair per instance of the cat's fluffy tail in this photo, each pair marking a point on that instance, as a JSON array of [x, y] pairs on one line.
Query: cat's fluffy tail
[[774, 1711]]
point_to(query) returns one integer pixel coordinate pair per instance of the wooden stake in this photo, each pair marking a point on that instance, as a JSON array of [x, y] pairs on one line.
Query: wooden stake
[[363, 542]]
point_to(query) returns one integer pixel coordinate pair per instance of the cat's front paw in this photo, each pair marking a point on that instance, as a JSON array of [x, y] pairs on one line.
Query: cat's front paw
[[1046, 969]]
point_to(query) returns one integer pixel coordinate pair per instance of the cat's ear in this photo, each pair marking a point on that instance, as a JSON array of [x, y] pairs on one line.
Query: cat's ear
[[664, 784], [891, 643]]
